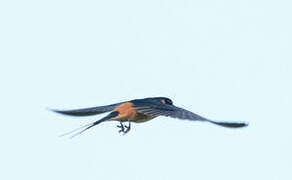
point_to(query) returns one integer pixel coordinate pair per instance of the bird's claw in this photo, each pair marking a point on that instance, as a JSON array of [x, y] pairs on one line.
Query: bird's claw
[[128, 128], [124, 129]]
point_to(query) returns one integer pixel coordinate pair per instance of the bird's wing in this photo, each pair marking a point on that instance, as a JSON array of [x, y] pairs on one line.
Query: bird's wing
[[88, 111], [157, 109]]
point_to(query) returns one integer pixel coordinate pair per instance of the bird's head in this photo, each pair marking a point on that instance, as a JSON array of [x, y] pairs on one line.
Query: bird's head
[[165, 100]]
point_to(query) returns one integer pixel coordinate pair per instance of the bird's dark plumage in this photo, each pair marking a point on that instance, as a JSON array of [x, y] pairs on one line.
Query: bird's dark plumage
[[88, 111]]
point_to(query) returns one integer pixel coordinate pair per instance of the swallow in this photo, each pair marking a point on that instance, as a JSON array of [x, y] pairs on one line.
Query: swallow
[[138, 111]]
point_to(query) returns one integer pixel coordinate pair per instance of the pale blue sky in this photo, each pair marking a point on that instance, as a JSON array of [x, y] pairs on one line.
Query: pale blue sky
[[225, 60]]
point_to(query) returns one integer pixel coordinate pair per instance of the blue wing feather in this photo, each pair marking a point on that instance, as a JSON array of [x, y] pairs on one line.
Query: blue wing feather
[[88, 111]]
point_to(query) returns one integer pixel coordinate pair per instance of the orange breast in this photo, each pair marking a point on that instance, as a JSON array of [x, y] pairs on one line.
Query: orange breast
[[126, 112]]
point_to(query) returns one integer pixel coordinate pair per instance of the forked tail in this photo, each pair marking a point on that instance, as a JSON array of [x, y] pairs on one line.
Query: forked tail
[[88, 126]]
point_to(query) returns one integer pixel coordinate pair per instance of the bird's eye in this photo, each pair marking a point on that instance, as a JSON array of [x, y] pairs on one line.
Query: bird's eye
[[168, 101]]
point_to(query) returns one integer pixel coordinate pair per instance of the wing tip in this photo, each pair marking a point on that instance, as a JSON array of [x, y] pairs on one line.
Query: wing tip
[[57, 111], [232, 124], [67, 112], [52, 110]]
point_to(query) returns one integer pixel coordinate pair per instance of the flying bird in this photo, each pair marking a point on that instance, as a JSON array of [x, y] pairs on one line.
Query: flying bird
[[138, 111]]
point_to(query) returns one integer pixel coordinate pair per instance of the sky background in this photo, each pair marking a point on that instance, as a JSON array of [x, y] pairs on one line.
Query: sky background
[[222, 59]]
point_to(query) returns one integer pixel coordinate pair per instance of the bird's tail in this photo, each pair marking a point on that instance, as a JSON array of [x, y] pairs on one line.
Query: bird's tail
[[229, 124], [88, 126]]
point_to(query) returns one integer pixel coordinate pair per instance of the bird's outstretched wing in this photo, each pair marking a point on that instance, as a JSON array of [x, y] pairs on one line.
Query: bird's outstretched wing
[[158, 109], [88, 111]]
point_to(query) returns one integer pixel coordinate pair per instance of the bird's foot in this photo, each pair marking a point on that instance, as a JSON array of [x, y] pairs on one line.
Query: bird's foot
[[128, 128], [123, 128]]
